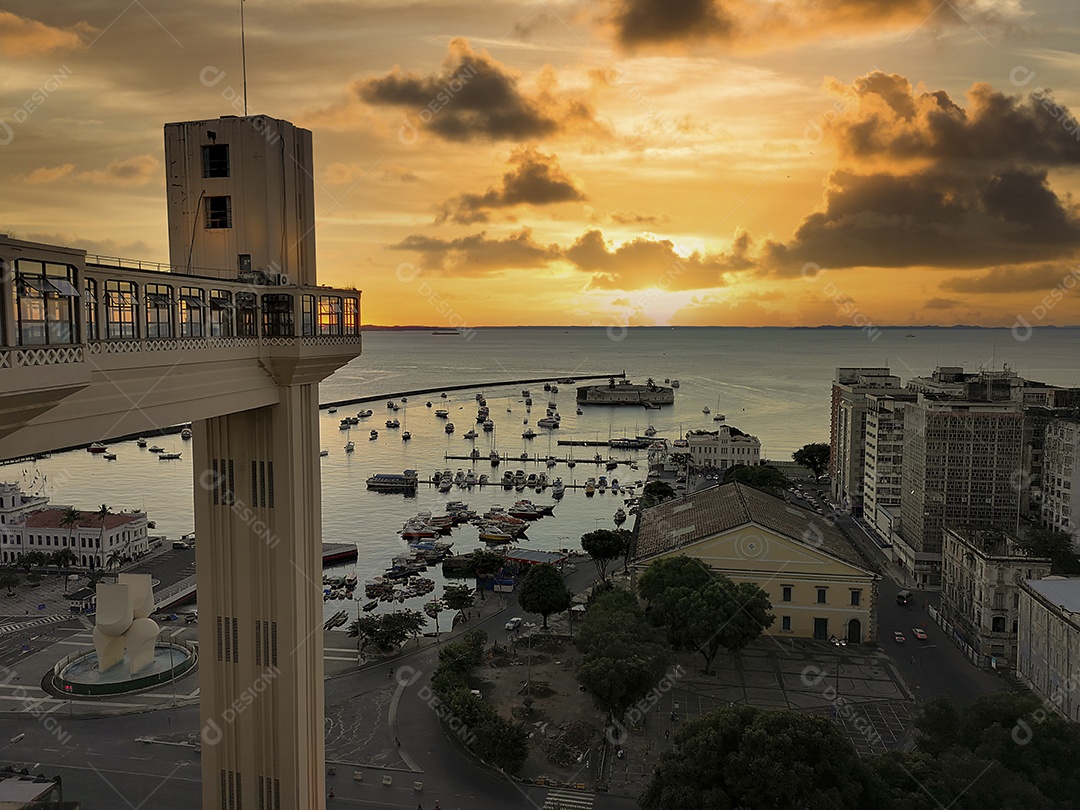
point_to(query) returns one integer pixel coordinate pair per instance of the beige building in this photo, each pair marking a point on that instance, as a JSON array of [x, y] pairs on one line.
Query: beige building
[[1061, 477], [1048, 642], [722, 448], [819, 585], [981, 572], [234, 336]]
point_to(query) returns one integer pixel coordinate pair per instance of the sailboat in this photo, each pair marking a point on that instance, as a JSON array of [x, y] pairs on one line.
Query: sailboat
[[405, 435]]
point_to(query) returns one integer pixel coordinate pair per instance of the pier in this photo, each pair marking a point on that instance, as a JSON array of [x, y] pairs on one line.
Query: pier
[[535, 458], [467, 386]]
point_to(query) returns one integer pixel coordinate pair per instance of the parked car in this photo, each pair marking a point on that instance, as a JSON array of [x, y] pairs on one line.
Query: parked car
[[514, 623]]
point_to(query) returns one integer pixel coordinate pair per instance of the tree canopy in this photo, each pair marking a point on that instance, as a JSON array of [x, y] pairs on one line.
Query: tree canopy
[[656, 492], [1041, 542], [544, 591], [769, 759], [604, 546], [388, 630], [815, 457], [764, 477]]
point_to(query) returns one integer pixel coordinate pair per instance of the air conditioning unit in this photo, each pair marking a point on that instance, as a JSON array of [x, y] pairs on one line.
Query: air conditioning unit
[[283, 280]]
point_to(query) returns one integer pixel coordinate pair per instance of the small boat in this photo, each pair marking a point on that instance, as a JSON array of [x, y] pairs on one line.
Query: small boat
[[474, 453], [551, 462], [427, 404], [650, 431], [547, 422], [525, 392], [364, 414], [97, 448], [484, 479], [141, 442], [393, 423], [185, 434], [590, 487], [445, 484], [547, 386], [345, 424], [488, 426], [529, 434], [168, 456], [449, 427], [331, 410], [156, 449], [350, 446], [471, 434], [442, 413], [324, 452], [554, 389], [571, 463], [391, 404], [109, 456], [443, 395], [558, 488], [507, 478], [612, 465], [674, 383], [373, 435], [405, 436], [493, 456], [620, 516], [706, 409]]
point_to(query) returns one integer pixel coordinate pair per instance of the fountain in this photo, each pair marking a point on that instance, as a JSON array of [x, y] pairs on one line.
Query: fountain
[[127, 655]]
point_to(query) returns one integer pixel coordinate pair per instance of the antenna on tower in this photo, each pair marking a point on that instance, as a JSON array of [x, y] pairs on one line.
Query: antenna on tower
[[243, 56]]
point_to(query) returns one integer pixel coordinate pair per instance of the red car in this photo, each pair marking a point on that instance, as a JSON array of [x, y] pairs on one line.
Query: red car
[[919, 634]]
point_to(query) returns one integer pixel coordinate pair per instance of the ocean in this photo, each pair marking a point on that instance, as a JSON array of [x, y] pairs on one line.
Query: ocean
[[773, 383]]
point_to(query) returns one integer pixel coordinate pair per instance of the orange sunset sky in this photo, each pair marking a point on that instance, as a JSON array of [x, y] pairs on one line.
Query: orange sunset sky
[[683, 162]]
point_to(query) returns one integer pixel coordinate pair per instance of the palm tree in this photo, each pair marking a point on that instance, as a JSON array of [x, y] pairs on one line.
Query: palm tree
[[101, 514], [64, 558], [115, 558], [70, 519]]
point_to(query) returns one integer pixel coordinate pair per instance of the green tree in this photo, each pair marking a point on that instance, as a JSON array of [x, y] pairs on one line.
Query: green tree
[[727, 614], [458, 597], [29, 560], [102, 515], [544, 591], [764, 477], [485, 564], [769, 759], [432, 609], [70, 519], [1041, 542], [672, 572], [815, 457], [655, 492], [115, 559], [388, 630], [9, 579], [603, 545]]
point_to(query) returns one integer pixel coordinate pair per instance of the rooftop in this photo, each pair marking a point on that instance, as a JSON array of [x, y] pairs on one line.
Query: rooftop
[[51, 519], [1061, 591], [707, 512]]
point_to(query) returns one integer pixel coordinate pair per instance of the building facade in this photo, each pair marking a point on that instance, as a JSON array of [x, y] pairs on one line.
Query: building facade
[[960, 466], [883, 464], [1048, 642], [819, 585], [981, 572], [1061, 477], [722, 448]]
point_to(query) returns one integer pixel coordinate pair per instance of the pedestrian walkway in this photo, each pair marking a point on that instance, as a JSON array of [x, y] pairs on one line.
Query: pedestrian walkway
[[559, 799], [38, 622]]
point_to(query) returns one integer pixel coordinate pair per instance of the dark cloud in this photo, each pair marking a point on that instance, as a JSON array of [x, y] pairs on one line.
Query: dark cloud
[[477, 254], [1003, 280], [474, 97], [932, 219], [760, 23], [886, 119], [645, 263], [922, 181], [536, 179], [943, 303]]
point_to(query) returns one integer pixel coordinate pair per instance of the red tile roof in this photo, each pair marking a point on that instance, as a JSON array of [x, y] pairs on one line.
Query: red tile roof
[[50, 519]]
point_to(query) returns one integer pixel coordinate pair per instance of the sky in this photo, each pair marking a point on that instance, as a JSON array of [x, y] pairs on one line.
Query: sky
[[621, 162]]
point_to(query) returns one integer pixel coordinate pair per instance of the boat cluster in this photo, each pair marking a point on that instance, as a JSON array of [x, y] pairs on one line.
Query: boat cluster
[[539, 481], [338, 587], [601, 484], [350, 421], [446, 481], [499, 525]]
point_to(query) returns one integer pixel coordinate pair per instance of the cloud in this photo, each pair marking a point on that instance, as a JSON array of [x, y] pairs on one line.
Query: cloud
[[643, 263], [943, 303], [135, 171], [536, 179], [759, 23], [922, 181], [477, 254], [20, 36], [1000, 280], [717, 310], [475, 97]]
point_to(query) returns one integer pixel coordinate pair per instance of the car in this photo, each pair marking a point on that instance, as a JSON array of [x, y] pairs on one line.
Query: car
[[919, 633], [898, 637], [514, 623]]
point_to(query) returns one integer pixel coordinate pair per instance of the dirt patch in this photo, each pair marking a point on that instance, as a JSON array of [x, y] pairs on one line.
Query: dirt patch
[[539, 688]]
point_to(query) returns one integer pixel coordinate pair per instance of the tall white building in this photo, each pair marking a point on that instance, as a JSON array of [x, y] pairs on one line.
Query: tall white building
[[91, 537], [883, 462], [1061, 477], [723, 448]]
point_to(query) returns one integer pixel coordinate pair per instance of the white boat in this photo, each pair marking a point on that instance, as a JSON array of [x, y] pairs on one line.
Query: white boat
[[185, 434], [449, 427], [471, 434], [96, 448], [168, 457], [620, 516], [550, 461], [393, 423], [350, 446], [650, 431], [141, 442], [706, 409], [364, 414], [488, 426], [674, 383], [442, 413], [580, 412], [405, 436], [109, 456], [156, 449], [558, 488], [493, 456], [547, 422], [391, 404], [445, 484], [470, 478], [373, 435], [529, 434], [324, 452]]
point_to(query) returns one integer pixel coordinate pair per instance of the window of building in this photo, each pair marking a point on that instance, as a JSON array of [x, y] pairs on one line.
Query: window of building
[[997, 624], [121, 310], [307, 314], [159, 311], [352, 316], [247, 307], [90, 300], [278, 315], [856, 598], [330, 315], [215, 160], [821, 594], [221, 313], [218, 212], [45, 304], [785, 624], [785, 593], [192, 312]]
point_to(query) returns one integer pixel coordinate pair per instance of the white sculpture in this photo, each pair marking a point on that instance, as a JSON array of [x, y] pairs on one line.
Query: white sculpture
[[123, 612]]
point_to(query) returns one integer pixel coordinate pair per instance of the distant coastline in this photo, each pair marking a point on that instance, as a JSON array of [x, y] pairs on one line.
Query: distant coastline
[[367, 327]]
